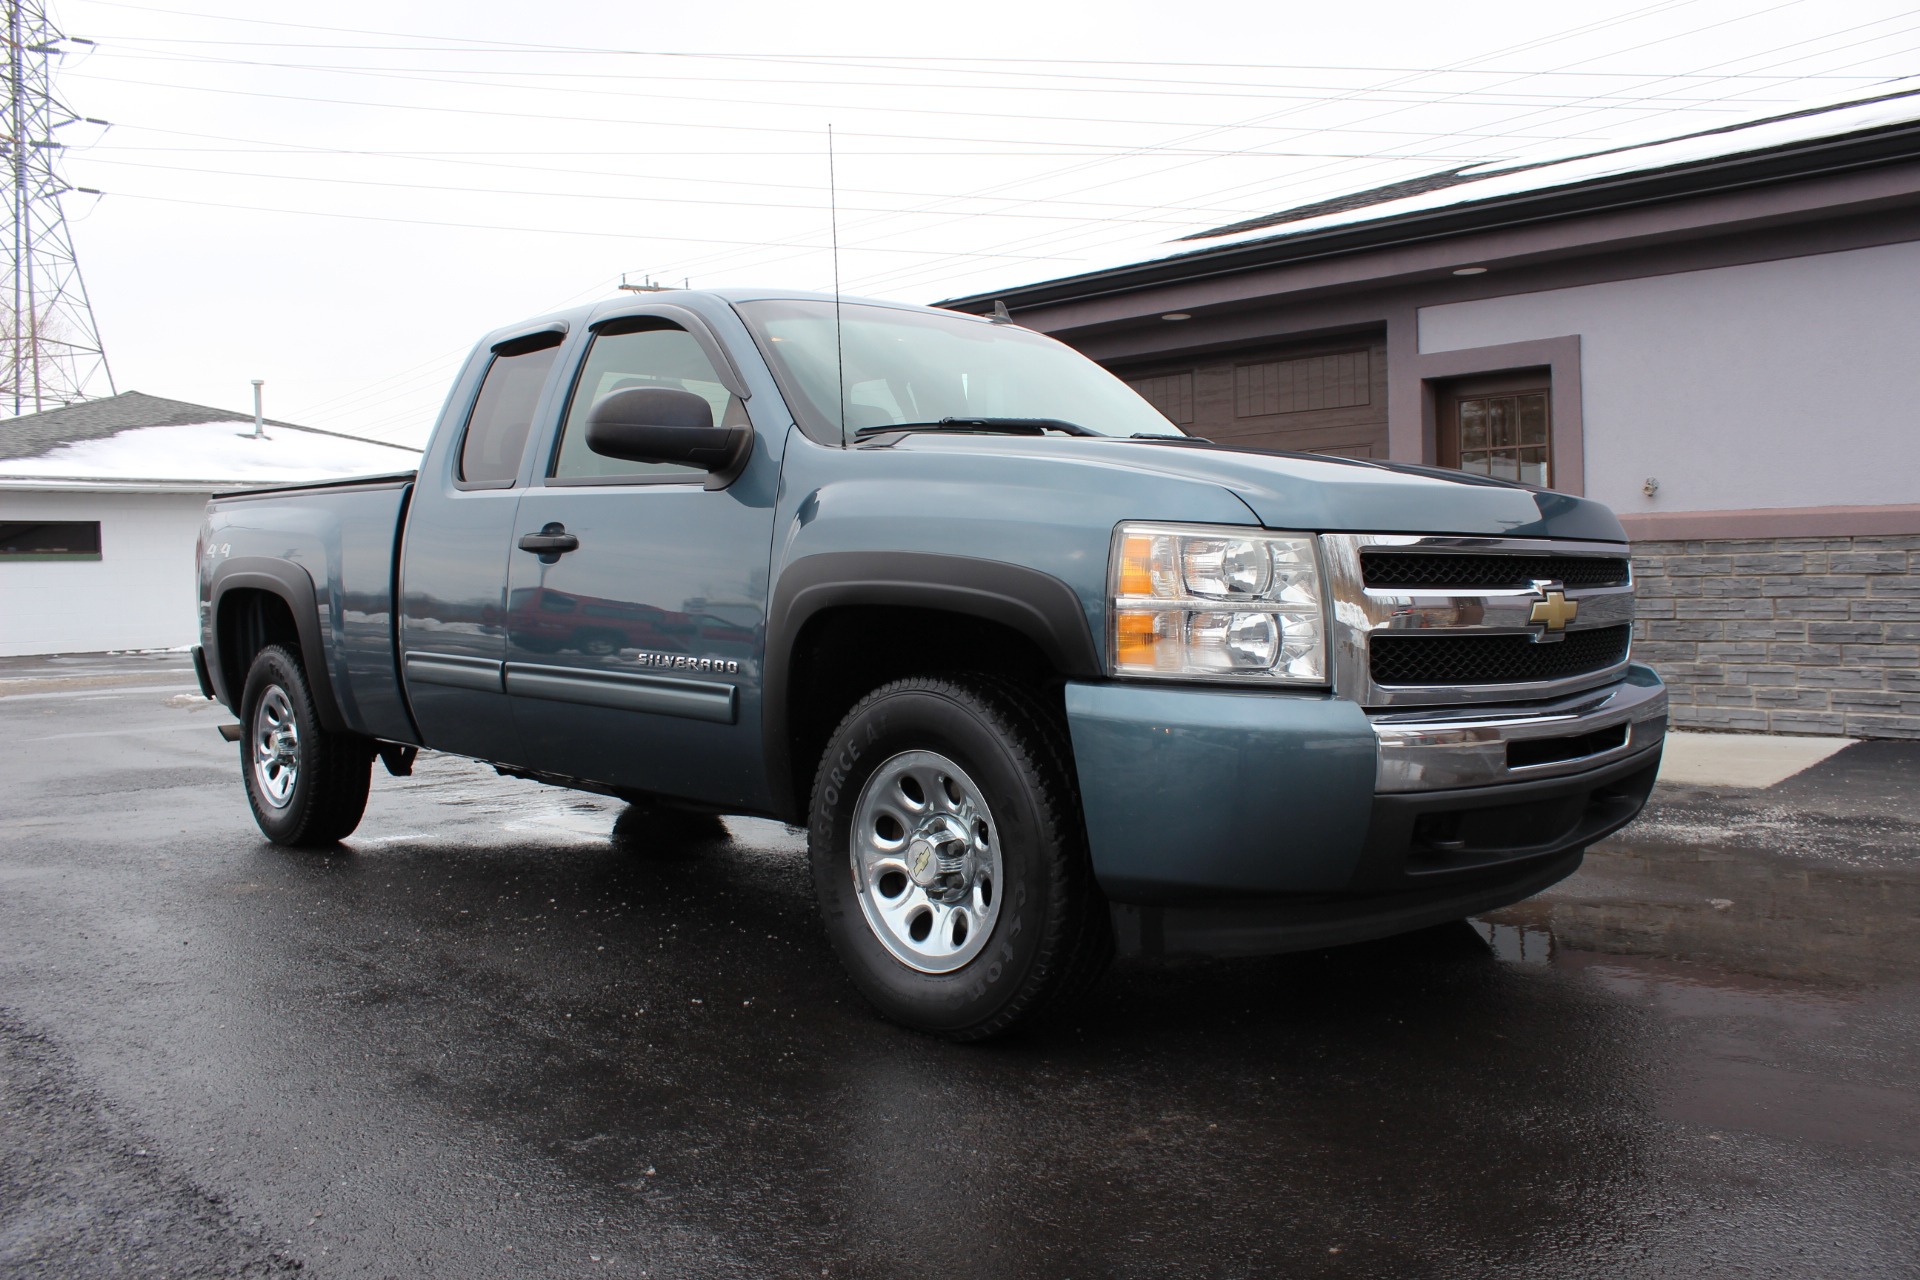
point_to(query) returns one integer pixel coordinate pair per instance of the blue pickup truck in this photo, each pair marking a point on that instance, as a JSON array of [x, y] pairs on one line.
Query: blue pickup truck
[[1042, 677]]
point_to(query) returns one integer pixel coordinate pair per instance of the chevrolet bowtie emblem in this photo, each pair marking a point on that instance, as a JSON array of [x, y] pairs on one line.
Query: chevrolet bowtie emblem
[[1556, 611]]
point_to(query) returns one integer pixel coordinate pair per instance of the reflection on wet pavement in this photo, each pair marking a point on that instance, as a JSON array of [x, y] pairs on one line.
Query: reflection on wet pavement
[[513, 1030]]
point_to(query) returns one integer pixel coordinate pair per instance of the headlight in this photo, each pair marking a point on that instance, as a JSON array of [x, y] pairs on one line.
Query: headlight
[[1208, 602]]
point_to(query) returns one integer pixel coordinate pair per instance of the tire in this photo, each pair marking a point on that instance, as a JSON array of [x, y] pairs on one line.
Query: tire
[[943, 797], [307, 787], [597, 644]]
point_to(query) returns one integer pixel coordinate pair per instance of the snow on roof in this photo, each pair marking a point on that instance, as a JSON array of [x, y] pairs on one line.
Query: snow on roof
[[217, 454], [1488, 182], [1893, 103]]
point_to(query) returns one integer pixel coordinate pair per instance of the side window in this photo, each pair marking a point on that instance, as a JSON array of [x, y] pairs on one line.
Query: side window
[[643, 352], [503, 414]]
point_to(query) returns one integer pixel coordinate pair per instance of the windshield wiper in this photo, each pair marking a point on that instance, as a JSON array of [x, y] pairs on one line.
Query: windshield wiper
[[1003, 426]]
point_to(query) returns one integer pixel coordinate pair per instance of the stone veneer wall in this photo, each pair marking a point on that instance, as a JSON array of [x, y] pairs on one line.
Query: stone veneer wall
[[1784, 635]]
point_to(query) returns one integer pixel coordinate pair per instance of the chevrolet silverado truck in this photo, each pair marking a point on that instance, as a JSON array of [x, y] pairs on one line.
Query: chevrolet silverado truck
[[1041, 676]]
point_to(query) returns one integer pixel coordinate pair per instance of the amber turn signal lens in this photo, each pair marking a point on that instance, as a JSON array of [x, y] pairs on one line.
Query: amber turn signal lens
[[1134, 638], [1136, 566]]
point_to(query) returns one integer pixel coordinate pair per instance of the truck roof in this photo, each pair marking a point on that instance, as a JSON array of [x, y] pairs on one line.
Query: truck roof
[[696, 300]]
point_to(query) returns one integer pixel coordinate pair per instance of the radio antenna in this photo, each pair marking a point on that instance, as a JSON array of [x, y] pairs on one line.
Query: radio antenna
[[833, 223]]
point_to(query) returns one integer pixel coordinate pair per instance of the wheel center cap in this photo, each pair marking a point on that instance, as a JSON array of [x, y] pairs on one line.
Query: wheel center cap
[[923, 862], [937, 855]]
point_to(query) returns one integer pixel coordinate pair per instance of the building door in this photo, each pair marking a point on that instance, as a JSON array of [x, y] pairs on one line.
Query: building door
[[1499, 426], [1325, 396]]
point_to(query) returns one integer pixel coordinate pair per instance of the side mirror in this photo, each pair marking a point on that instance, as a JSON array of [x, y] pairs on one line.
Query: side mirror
[[666, 424]]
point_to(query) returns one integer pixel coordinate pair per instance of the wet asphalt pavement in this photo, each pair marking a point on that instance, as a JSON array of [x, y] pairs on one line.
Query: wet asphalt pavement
[[509, 1030]]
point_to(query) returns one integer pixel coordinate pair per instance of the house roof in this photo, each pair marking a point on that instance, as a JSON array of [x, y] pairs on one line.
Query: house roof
[[134, 440], [1823, 138]]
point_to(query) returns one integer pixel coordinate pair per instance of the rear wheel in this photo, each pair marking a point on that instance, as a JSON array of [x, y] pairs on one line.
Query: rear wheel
[[949, 858], [306, 785]]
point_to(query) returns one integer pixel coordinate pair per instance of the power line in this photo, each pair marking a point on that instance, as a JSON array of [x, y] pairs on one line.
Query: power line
[[904, 274], [552, 231], [292, 149], [714, 125], [1028, 242], [704, 201], [1097, 229], [419, 373], [467, 44], [1298, 92], [1586, 28]]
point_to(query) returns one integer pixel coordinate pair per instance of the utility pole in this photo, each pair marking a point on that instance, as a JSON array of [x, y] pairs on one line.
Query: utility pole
[[52, 354]]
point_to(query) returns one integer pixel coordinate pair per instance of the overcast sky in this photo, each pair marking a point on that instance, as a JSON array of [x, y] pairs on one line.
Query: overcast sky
[[340, 199]]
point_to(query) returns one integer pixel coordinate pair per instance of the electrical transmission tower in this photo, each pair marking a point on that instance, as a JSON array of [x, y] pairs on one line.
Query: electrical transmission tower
[[50, 353]]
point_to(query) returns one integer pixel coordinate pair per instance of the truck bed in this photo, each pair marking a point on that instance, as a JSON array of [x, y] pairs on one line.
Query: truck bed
[[344, 535]]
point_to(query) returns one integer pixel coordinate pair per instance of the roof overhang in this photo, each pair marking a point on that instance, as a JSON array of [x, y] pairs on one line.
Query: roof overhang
[[1801, 162], [93, 484]]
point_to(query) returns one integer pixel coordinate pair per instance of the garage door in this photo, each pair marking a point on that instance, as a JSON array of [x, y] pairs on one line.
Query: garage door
[[1322, 397]]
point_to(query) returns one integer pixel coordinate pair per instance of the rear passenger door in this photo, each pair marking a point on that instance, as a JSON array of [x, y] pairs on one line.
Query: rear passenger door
[[634, 658], [453, 566]]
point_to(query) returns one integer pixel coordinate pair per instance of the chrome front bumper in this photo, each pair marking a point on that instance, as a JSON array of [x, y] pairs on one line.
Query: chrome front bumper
[[1441, 749]]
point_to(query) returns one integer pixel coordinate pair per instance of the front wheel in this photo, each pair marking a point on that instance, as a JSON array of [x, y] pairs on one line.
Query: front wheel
[[306, 785], [948, 856]]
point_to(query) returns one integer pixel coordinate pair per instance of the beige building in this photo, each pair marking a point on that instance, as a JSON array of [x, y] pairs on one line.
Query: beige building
[[1713, 334]]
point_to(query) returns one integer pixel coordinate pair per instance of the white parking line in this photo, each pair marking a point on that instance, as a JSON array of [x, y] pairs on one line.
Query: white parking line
[[202, 727], [94, 695]]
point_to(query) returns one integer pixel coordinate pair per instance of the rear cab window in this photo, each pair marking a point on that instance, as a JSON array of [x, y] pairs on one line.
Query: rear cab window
[[502, 415]]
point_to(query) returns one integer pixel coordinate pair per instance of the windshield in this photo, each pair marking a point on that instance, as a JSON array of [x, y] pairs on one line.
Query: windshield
[[919, 367]]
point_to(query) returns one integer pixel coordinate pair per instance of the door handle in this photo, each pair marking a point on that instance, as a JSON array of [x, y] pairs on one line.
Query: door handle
[[553, 540]]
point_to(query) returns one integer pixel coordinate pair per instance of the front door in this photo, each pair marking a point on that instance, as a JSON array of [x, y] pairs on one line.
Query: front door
[[634, 654]]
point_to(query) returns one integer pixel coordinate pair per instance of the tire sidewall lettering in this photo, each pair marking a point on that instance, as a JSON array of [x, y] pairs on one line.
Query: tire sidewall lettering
[[910, 716]]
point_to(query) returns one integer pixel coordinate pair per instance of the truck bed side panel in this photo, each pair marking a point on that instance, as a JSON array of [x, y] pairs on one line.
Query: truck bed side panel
[[344, 538]]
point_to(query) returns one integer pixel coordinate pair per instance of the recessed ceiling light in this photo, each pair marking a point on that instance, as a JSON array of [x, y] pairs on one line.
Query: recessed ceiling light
[[1469, 271], [1176, 315]]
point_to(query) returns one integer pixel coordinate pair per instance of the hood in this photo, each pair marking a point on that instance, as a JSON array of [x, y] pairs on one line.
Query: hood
[[1331, 495]]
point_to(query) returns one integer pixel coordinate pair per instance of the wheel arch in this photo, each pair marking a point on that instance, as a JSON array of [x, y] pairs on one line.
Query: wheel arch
[[258, 601], [834, 624]]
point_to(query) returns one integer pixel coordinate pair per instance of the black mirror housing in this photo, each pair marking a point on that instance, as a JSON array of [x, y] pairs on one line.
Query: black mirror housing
[[666, 424]]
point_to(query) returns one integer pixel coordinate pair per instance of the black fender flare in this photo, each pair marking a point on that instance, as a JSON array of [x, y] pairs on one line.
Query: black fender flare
[[1037, 605], [294, 585]]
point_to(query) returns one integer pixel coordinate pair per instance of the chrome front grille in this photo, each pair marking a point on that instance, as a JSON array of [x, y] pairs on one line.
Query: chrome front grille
[[1389, 569], [1436, 621], [1499, 659]]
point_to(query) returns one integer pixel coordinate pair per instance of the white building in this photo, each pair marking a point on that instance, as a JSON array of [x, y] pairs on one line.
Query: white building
[[100, 508]]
